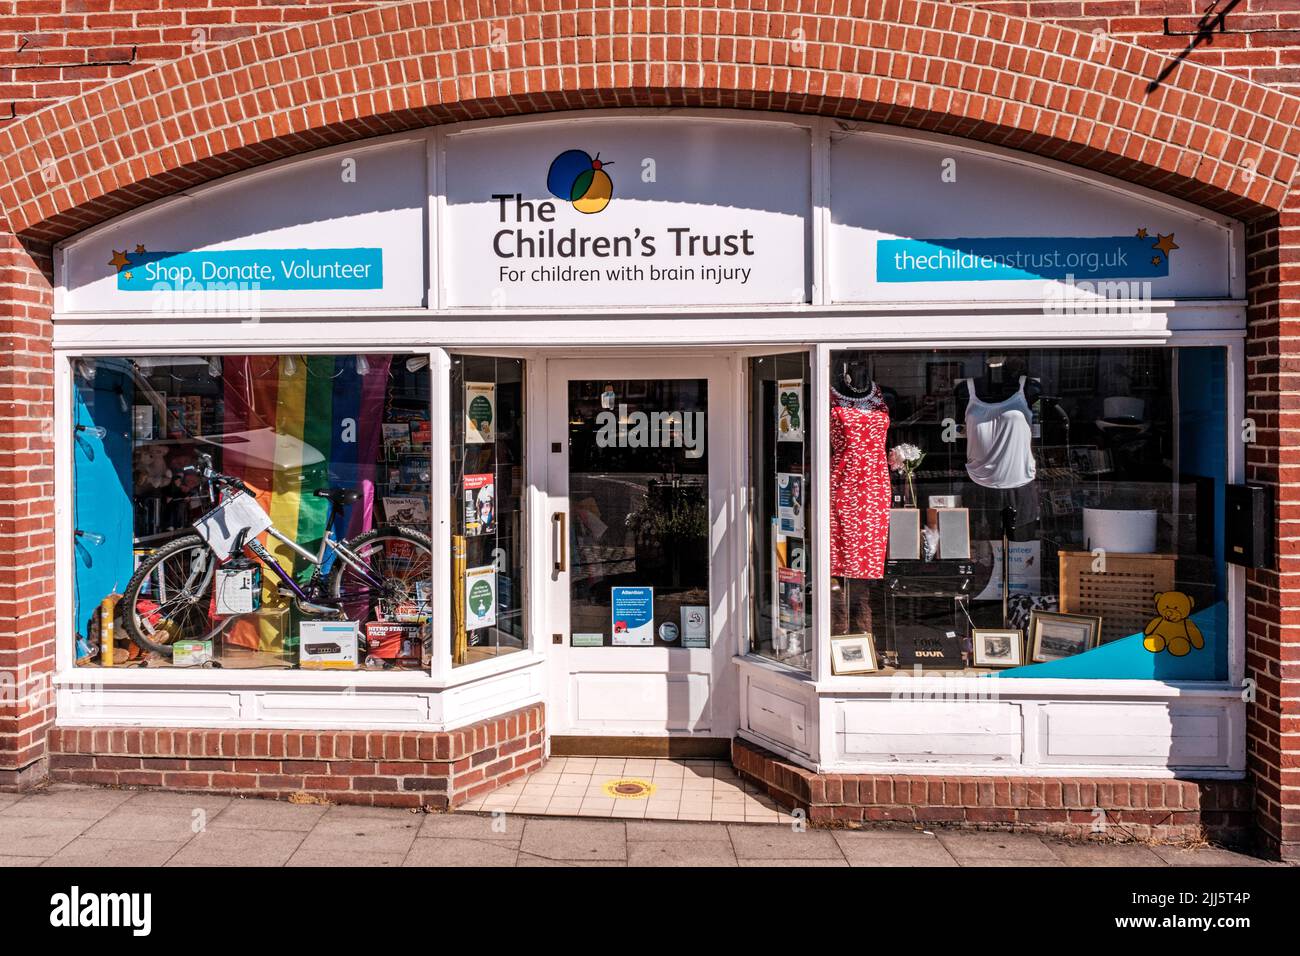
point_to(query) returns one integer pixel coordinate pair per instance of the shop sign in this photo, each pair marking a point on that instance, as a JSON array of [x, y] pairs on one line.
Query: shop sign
[[270, 270], [626, 213]]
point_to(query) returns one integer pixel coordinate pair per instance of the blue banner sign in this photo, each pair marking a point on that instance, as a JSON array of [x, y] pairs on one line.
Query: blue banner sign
[[271, 270], [1020, 257]]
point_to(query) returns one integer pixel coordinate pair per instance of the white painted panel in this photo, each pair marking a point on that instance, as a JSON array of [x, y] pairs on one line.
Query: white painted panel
[[668, 173], [319, 709], [606, 702], [781, 718], [1159, 734], [118, 706], [299, 206], [498, 694], [886, 188], [906, 731]]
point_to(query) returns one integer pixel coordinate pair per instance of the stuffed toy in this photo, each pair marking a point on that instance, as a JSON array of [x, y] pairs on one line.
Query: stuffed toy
[[151, 469], [1172, 630]]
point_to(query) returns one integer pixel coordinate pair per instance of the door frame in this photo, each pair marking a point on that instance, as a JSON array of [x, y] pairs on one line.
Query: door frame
[[725, 433]]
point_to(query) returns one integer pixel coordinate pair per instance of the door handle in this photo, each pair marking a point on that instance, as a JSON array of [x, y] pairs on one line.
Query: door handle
[[560, 541]]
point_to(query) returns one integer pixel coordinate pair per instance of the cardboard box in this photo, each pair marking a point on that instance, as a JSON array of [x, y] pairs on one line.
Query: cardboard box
[[239, 588], [191, 653], [328, 645], [390, 641]]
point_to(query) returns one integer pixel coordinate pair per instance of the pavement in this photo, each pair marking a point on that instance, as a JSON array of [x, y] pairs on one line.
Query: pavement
[[86, 826]]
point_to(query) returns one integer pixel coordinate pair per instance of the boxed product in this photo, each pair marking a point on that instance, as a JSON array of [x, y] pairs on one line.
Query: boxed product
[[327, 645], [390, 641], [239, 588], [191, 653]]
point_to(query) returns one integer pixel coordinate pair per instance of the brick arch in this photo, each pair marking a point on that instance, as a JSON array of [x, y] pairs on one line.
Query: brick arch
[[1202, 135]]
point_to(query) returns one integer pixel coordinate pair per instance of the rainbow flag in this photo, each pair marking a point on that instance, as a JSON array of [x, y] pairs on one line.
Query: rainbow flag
[[293, 425]]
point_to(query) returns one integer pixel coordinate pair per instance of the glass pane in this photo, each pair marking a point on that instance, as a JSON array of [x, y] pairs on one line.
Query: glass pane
[[253, 511], [1030, 512], [639, 512], [487, 506], [780, 473]]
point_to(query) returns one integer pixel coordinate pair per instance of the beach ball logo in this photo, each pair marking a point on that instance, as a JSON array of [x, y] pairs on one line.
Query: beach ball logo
[[577, 178]]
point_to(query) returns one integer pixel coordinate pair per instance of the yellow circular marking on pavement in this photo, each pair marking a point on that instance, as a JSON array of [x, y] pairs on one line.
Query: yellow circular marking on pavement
[[628, 789]]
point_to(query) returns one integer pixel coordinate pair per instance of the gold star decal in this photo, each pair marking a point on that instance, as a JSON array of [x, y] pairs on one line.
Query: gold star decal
[[127, 274], [139, 249], [1166, 244], [1142, 233], [1155, 260], [119, 260]]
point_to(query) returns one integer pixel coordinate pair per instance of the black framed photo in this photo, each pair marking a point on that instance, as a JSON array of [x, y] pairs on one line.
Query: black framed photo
[[998, 647]]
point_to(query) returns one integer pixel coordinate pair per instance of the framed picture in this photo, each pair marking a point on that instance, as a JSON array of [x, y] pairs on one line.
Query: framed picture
[[941, 377], [1054, 635], [998, 647], [853, 654]]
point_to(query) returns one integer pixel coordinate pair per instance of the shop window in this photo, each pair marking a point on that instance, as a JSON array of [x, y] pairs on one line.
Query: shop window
[[254, 511], [780, 440], [1032, 512], [487, 507]]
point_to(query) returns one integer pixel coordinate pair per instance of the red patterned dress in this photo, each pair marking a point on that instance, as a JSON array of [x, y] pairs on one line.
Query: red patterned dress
[[860, 487]]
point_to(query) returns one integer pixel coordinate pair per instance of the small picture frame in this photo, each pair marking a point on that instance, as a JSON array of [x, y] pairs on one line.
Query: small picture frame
[[1054, 635], [853, 654], [998, 647]]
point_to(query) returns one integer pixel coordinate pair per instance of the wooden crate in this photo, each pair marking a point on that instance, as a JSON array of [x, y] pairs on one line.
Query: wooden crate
[[1123, 595]]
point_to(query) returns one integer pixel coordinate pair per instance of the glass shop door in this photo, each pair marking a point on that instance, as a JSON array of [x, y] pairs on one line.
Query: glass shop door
[[639, 471]]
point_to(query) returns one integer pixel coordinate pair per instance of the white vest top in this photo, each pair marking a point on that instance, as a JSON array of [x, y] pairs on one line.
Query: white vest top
[[998, 437]]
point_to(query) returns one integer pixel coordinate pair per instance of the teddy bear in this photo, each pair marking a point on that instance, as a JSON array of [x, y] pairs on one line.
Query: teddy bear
[[1172, 630], [151, 469]]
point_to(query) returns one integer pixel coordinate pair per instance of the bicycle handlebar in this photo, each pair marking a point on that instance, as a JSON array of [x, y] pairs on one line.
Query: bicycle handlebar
[[205, 470]]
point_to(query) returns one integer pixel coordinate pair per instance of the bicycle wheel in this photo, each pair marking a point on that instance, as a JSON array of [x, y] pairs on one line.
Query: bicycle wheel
[[169, 598], [399, 558]]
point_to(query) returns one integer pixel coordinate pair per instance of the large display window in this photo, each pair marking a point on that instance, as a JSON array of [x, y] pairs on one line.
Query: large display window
[[253, 511], [1053, 512]]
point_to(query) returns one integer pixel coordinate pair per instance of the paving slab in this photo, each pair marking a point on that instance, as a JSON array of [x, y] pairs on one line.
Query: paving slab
[[93, 852], [865, 848], [166, 824], [975, 848], [454, 851], [233, 846], [34, 836], [359, 834], [1205, 856], [209, 803], [16, 861], [344, 858], [760, 842], [505, 829], [661, 831], [267, 815], [586, 840], [1107, 854], [88, 805], [790, 863], [679, 853]]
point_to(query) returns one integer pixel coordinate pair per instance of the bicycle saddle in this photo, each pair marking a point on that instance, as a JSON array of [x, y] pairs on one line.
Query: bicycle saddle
[[339, 496]]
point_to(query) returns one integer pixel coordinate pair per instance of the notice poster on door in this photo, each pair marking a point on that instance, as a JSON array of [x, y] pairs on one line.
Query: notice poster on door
[[632, 614], [789, 410], [480, 504], [789, 503], [480, 413], [695, 625], [789, 599], [480, 597]]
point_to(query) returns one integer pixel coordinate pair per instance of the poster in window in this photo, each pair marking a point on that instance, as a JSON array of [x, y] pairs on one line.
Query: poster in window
[[789, 598], [789, 410], [789, 503], [695, 625], [1024, 575], [632, 616], [409, 510], [480, 504], [480, 413], [480, 597]]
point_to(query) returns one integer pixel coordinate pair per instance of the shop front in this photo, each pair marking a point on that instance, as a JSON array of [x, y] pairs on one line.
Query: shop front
[[857, 453]]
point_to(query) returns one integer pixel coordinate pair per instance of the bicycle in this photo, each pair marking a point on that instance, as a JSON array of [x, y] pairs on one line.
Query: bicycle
[[170, 597]]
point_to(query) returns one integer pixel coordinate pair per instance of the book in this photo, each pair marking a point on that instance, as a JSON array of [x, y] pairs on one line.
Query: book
[[397, 438], [480, 504], [412, 510]]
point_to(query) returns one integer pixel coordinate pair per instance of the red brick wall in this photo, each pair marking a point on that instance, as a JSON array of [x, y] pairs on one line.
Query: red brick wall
[[1117, 808], [26, 511], [407, 769]]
